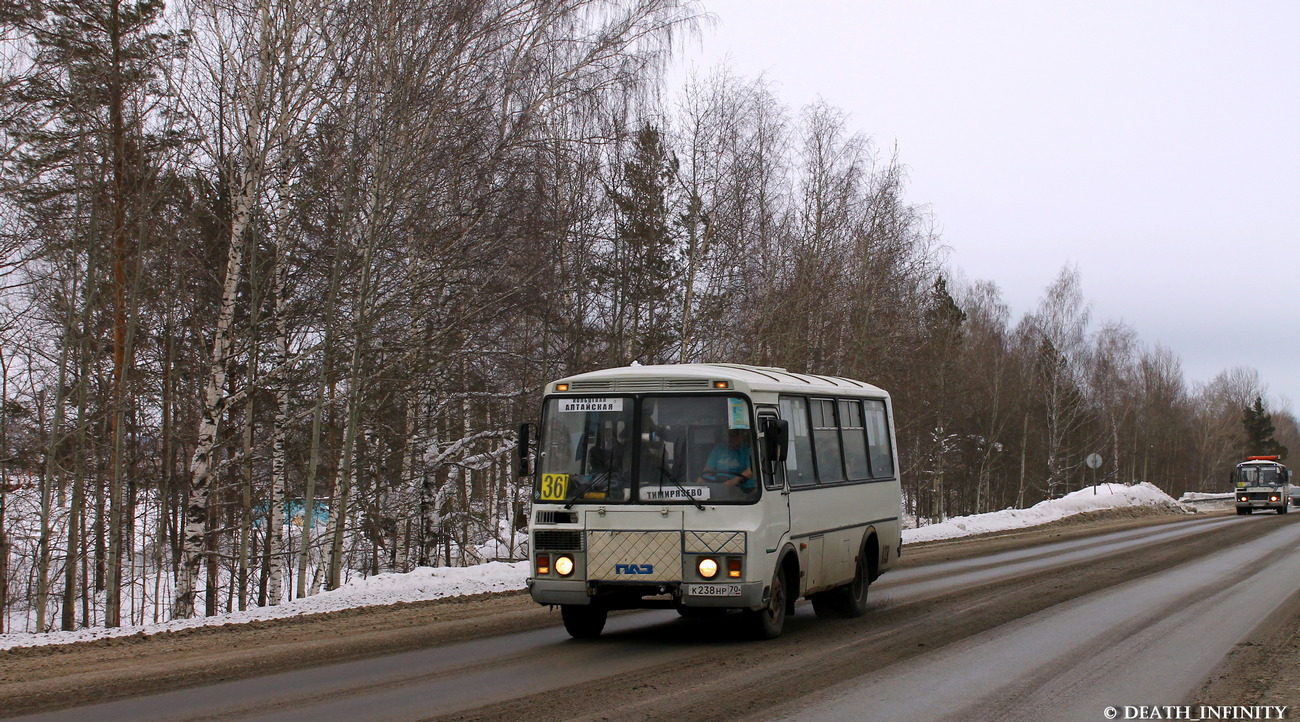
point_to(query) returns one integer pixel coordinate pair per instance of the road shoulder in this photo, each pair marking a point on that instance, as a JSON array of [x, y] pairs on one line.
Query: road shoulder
[[1262, 670]]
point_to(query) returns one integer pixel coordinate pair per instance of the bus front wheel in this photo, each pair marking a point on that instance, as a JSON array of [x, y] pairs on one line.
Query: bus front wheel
[[767, 623], [583, 621]]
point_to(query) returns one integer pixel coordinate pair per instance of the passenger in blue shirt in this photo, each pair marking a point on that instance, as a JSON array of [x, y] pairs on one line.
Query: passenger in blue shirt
[[730, 462]]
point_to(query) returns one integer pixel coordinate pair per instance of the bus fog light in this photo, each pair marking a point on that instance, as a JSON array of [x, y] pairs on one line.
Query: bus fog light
[[708, 568], [564, 566]]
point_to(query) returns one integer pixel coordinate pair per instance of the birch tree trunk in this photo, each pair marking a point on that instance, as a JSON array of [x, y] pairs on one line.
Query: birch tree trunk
[[275, 532], [215, 400], [4, 487], [52, 473], [339, 508], [279, 87]]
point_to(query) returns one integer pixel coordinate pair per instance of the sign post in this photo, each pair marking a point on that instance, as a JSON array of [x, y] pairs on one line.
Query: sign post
[[1093, 461]]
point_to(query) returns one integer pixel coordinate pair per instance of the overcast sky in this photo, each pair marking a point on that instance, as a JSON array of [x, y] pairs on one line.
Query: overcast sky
[[1152, 143]]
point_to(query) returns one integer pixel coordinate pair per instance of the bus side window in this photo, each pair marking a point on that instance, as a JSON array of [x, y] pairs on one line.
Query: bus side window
[[854, 438], [798, 459], [826, 441], [882, 456]]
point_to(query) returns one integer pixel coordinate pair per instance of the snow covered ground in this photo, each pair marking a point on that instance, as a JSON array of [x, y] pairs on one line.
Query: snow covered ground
[[1103, 496], [435, 583]]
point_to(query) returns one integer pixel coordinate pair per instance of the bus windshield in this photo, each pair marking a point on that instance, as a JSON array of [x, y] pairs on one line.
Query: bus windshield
[[650, 449], [1258, 475]]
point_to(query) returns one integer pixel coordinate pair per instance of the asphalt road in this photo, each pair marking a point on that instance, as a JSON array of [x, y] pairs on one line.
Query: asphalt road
[[1150, 642], [1056, 629]]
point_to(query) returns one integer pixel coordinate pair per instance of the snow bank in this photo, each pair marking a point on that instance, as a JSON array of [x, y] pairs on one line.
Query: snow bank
[[1106, 496], [1202, 496], [422, 584]]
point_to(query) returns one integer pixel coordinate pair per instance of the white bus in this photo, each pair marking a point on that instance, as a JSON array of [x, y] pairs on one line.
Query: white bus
[[709, 487], [1262, 482]]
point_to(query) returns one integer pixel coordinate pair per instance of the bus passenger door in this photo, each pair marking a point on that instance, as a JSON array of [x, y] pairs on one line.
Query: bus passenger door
[[776, 497]]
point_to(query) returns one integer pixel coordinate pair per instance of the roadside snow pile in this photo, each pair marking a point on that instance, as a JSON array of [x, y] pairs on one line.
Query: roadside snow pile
[[1202, 496], [1106, 496], [420, 585]]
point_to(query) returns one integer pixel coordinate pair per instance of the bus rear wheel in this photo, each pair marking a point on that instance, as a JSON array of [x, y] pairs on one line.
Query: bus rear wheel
[[583, 621], [767, 623], [848, 601]]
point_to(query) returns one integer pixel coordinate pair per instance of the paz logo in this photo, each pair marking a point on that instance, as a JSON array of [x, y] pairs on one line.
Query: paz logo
[[634, 569]]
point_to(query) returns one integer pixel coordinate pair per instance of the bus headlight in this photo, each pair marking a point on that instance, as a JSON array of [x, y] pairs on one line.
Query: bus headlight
[[708, 568], [564, 565]]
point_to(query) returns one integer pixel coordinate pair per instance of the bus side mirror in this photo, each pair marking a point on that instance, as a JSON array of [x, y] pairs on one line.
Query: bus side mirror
[[776, 438], [524, 446]]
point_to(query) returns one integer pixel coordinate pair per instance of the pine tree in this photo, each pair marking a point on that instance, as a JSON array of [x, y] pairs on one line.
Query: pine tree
[[1258, 425], [936, 367], [93, 141], [643, 269]]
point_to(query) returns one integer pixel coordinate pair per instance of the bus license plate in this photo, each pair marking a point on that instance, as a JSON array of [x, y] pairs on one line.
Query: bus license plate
[[713, 590]]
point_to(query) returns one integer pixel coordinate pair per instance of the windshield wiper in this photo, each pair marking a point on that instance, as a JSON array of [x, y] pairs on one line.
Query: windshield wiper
[[663, 471], [603, 476]]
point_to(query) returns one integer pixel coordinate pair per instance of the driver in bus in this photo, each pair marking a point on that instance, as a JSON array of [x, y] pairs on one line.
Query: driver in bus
[[730, 462]]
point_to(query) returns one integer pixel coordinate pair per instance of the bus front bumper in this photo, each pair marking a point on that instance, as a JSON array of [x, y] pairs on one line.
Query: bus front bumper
[[725, 595], [554, 591]]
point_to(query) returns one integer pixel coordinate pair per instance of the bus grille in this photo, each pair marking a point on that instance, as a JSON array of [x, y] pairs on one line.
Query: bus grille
[[714, 542], [557, 517], [557, 540], [635, 556]]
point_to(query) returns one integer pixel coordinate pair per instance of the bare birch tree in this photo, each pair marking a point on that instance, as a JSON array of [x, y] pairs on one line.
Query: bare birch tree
[[1112, 378], [1056, 333], [272, 61]]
